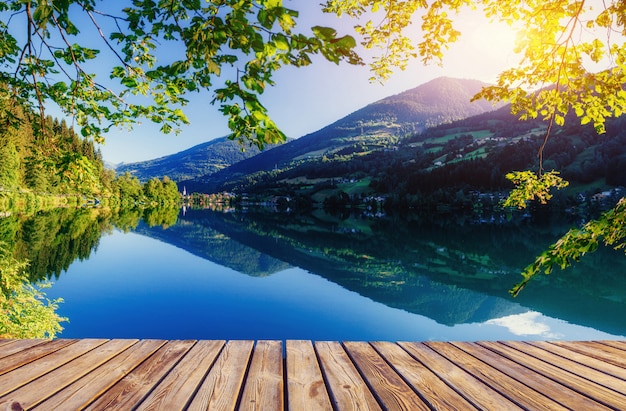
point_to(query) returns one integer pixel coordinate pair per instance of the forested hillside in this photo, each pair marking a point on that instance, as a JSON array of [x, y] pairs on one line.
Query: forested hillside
[[202, 159], [377, 126], [48, 157], [448, 165], [45, 157]]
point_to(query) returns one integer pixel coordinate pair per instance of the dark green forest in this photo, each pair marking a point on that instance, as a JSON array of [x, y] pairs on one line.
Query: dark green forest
[[459, 165], [45, 157]]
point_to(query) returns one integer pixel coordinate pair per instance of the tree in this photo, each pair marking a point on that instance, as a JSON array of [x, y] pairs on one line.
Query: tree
[[251, 38]]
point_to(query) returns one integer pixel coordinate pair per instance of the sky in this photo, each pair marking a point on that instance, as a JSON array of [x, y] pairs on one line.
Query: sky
[[307, 99]]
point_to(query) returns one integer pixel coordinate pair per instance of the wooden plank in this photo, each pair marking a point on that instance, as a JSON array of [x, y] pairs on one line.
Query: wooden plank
[[474, 390], [22, 354], [10, 347], [87, 389], [584, 359], [305, 384], [621, 345], [504, 384], [130, 390], [429, 386], [221, 387], [177, 389], [48, 384], [581, 370], [597, 350], [29, 372], [532, 379], [263, 388], [390, 389], [594, 391], [347, 389]]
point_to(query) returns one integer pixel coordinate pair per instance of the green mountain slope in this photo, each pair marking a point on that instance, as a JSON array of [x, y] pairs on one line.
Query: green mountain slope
[[377, 126], [202, 159], [446, 166]]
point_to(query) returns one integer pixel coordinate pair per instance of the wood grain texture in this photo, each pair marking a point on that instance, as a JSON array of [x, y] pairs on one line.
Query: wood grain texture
[[574, 382], [263, 388], [536, 382], [221, 387], [21, 354], [387, 385], [57, 379], [133, 388], [581, 370], [513, 389], [429, 386], [180, 384], [101, 374], [305, 384], [470, 387], [598, 350], [33, 370], [82, 392], [584, 359], [347, 389]]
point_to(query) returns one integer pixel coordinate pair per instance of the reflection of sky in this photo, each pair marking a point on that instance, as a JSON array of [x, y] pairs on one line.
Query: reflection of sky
[[136, 287]]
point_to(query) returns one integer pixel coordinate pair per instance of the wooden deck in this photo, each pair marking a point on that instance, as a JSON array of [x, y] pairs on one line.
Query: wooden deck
[[98, 374]]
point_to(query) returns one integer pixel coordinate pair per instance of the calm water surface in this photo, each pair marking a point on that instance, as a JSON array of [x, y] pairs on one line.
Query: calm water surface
[[244, 276]]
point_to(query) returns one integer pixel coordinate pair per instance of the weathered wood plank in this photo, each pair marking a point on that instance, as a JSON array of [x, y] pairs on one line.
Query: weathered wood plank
[[305, 385], [507, 386], [621, 345], [10, 347], [429, 386], [130, 390], [573, 367], [55, 380], [21, 354], [155, 374], [594, 391], [347, 389], [532, 379], [478, 393], [29, 372], [585, 359], [263, 388], [180, 384], [221, 387], [597, 350], [386, 384], [87, 389]]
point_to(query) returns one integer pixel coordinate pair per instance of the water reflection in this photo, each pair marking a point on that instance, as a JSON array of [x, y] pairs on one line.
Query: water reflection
[[396, 276], [450, 272]]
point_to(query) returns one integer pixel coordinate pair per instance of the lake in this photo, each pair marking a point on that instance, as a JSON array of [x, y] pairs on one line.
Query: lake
[[264, 275]]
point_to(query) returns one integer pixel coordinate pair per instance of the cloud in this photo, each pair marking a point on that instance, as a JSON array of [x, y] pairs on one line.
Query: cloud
[[524, 324]]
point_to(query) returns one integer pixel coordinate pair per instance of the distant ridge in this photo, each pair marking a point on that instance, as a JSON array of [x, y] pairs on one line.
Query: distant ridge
[[438, 101], [199, 160]]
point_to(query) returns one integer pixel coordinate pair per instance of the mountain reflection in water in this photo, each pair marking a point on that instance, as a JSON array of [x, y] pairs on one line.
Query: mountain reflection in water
[[450, 272], [359, 278]]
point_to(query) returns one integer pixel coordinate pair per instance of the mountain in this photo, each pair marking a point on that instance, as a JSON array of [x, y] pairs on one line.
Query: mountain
[[378, 125], [200, 160], [453, 166]]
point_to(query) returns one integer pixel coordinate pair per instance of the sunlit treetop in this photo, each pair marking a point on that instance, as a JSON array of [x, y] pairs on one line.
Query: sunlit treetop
[[572, 55]]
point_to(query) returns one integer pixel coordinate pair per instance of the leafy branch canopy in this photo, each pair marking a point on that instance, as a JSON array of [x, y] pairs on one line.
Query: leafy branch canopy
[[44, 56]]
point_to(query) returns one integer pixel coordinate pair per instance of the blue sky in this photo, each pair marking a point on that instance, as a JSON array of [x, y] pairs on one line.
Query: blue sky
[[307, 99]]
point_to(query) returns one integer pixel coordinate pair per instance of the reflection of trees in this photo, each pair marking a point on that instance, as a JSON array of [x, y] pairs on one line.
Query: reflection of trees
[[50, 241]]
